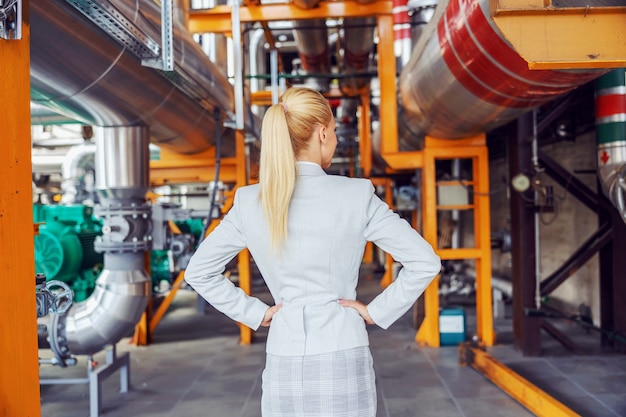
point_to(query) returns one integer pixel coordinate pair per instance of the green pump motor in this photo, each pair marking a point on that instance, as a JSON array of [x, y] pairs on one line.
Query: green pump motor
[[64, 248]]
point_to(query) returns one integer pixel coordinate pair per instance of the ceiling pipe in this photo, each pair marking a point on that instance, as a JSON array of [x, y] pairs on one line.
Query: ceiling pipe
[[611, 136], [80, 71], [357, 42], [311, 38], [463, 62]]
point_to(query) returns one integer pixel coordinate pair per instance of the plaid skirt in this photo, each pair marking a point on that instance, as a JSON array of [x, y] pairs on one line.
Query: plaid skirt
[[334, 384]]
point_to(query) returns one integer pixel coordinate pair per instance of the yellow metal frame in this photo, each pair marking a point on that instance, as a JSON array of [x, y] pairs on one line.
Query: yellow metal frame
[[218, 19], [580, 37], [473, 148], [19, 378], [526, 393]]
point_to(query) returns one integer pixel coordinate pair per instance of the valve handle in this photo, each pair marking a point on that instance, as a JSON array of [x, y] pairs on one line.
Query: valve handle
[[62, 300]]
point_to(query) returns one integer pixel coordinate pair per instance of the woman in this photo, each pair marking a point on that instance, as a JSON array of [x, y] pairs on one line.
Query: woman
[[307, 232]]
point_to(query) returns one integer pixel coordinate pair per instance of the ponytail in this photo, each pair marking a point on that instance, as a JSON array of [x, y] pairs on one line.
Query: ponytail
[[277, 173], [287, 128]]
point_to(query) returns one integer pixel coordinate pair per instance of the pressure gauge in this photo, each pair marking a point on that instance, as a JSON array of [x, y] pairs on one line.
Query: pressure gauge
[[520, 182]]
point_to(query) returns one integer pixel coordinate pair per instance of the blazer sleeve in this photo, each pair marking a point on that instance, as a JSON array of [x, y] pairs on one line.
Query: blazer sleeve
[[419, 262], [205, 272]]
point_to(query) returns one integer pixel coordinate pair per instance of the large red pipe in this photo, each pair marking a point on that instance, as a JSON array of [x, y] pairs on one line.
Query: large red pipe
[[466, 78]]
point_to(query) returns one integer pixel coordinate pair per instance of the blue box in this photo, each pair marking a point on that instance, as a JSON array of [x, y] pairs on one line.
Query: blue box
[[452, 326]]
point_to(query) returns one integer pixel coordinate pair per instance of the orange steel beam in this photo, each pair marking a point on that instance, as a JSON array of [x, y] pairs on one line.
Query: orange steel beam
[[525, 392], [218, 19], [143, 335], [387, 278], [365, 135], [388, 90], [428, 332], [245, 279], [173, 168], [549, 37], [482, 236], [165, 304], [19, 377]]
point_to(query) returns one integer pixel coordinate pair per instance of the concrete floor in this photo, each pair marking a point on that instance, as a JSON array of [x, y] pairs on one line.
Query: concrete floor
[[195, 367]]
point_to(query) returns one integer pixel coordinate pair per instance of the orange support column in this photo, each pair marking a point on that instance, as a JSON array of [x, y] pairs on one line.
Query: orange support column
[[482, 228], [387, 279], [365, 135], [19, 372], [428, 333], [245, 279]]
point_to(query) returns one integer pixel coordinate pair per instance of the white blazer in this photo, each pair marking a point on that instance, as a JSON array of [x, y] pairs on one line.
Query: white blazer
[[330, 220]]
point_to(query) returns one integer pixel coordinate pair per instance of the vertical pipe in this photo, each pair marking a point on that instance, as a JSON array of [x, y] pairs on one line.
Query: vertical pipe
[[19, 378], [611, 136], [274, 74], [238, 64], [401, 33], [526, 330], [537, 219]]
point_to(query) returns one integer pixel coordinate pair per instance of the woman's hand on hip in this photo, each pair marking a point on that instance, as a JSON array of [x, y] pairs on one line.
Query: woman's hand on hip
[[269, 314], [360, 308]]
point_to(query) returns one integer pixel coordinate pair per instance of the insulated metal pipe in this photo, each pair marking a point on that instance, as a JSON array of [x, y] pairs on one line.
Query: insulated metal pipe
[[463, 62], [358, 40], [77, 159], [79, 70], [611, 136], [311, 38]]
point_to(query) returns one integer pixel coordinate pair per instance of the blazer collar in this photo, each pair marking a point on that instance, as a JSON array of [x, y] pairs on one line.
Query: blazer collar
[[309, 169]]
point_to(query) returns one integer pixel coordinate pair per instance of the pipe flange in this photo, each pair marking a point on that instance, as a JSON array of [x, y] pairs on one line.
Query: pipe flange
[[58, 340]]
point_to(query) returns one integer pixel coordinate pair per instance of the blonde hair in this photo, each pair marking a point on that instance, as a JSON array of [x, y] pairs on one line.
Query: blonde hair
[[286, 130]]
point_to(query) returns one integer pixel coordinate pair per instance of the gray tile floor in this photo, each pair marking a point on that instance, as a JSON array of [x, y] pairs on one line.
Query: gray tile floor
[[195, 368]]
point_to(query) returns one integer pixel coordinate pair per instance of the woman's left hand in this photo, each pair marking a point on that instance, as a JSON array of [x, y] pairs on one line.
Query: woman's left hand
[[269, 314]]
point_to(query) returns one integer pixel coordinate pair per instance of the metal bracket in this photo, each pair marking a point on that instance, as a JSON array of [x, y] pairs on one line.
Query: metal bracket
[[11, 19], [108, 18], [165, 62]]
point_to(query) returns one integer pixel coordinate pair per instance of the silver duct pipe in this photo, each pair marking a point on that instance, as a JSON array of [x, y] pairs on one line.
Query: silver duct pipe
[[78, 160], [463, 62], [82, 72], [357, 42], [611, 136], [123, 288], [113, 309], [311, 38]]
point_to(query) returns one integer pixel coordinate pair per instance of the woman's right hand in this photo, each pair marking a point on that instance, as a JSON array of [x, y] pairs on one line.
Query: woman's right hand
[[360, 308]]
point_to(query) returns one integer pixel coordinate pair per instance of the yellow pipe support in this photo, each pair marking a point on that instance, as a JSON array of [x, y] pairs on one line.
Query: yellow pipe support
[[482, 237], [428, 332], [565, 37], [173, 168], [245, 278], [387, 278], [365, 135], [388, 90], [526, 393], [19, 377], [473, 148], [245, 283], [167, 301], [218, 20]]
